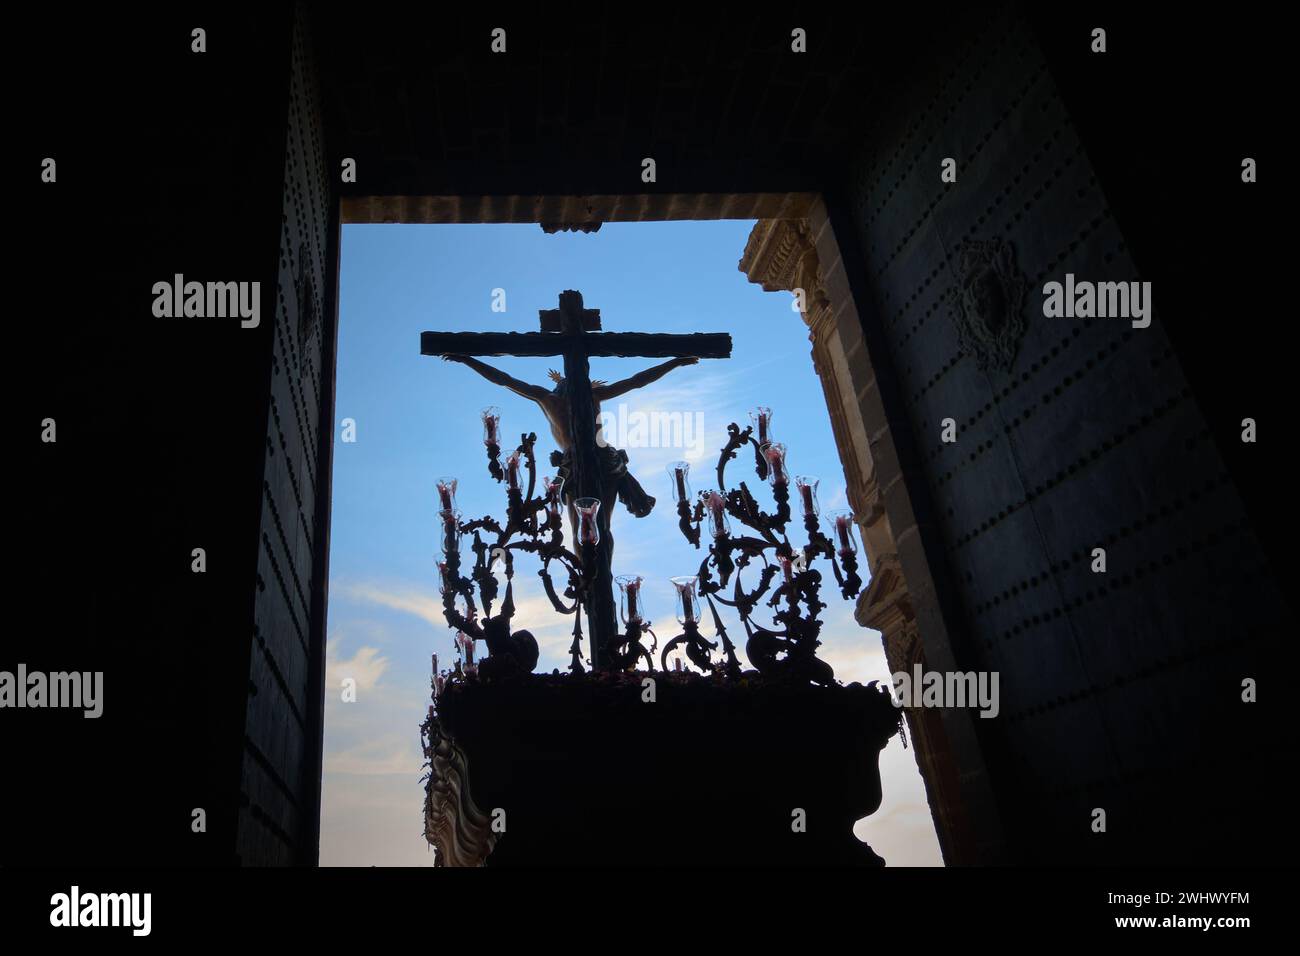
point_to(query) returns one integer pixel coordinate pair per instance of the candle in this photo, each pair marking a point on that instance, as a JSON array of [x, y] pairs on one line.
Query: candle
[[718, 524], [762, 419], [630, 587], [467, 646], [446, 494], [678, 470], [842, 529], [688, 607], [444, 577], [808, 495], [588, 530], [491, 425], [787, 568], [512, 471], [677, 664], [553, 488], [775, 453]]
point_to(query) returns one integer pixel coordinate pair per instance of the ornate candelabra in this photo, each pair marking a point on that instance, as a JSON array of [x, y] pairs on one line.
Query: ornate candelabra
[[536, 525], [532, 524], [789, 648]]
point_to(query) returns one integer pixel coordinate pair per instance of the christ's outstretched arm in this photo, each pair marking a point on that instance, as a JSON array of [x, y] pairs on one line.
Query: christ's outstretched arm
[[602, 392], [498, 377]]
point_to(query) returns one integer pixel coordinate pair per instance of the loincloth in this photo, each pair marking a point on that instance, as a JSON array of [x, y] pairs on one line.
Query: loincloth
[[613, 475]]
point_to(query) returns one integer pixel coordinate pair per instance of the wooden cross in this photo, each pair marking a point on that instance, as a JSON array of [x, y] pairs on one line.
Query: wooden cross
[[573, 332]]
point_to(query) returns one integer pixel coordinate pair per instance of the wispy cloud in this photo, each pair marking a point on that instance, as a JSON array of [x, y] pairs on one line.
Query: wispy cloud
[[408, 599], [365, 667]]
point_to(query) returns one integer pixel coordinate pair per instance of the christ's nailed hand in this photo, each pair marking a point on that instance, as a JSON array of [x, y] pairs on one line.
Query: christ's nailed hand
[[448, 357], [688, 360]]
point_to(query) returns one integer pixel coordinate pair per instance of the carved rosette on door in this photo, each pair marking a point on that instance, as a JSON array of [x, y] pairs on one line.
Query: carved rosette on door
[[989, 302]]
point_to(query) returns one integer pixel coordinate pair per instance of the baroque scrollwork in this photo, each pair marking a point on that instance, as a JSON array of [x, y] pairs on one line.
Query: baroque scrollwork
[[458, 830]]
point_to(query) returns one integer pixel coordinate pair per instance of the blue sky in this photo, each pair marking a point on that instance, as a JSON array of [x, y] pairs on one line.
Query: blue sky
[[417, 418]]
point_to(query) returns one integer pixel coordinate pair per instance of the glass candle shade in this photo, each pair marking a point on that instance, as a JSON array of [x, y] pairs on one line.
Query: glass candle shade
[[840, 524], [444, 578], [512, 471], [808, 496], [588, 527], [761, 418], [776, 473], [629, 586], [719, 526], [466, 644], [552, 489], [446, 495], [677, 473], [491, 425], [688, 604], [787, 568]]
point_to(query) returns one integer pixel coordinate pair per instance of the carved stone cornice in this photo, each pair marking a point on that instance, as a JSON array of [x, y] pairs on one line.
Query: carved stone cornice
[[457, 829], [883, 605], [781, 256]]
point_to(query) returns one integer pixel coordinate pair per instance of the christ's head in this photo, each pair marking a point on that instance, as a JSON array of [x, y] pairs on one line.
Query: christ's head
[[558, 379]]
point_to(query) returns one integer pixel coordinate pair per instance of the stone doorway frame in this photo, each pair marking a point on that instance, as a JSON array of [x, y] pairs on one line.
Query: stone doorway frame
[[793, 246]]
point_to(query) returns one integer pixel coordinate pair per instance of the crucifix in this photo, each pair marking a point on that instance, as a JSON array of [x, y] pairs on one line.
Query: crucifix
[[594, 469]]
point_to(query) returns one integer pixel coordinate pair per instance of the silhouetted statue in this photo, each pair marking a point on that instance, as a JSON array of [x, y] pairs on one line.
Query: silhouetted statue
[[616, 480], [591, 468]]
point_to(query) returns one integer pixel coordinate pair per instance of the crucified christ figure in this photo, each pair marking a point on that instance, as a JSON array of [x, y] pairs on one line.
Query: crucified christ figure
[[616, 480]]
